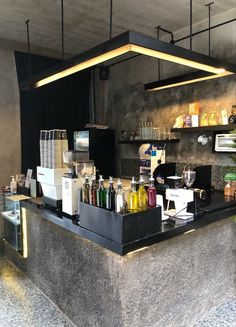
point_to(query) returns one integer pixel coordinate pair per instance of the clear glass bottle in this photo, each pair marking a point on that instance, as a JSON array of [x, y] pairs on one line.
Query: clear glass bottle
[[151, 193], [142, 195], [110, 196], [133, 198], [120, 199], [85, 190], [101, 193], [13, 185], [93, 191]]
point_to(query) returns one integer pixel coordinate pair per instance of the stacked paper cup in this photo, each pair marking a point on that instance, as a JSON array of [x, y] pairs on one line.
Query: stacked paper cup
[[52, 145], [41, 147], [49, 152], [64, 146], [56, 149], [46, 147]]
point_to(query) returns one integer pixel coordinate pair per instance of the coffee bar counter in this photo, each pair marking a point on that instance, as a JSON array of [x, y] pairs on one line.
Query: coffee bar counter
[[216, 209], [169, 278]]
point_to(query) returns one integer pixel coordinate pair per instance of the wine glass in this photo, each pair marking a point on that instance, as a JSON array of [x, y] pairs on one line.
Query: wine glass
[[189, 177]]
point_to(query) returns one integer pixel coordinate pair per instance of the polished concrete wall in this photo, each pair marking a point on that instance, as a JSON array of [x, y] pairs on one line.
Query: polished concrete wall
[[173, 283], [10, 135], [122, 102]]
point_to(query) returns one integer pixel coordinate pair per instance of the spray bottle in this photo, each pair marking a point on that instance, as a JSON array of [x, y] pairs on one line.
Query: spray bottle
[[13, 185]]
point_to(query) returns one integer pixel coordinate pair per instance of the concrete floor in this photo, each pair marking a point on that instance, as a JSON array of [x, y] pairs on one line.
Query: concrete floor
[[223, 316], [23, 304]]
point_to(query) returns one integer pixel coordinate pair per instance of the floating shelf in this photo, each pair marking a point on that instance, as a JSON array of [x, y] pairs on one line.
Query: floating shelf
[[214, 128], [149, 141]]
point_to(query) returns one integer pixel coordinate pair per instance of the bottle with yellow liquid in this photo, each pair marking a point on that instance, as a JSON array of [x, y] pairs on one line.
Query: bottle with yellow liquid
[[142, 195], [133, 198]]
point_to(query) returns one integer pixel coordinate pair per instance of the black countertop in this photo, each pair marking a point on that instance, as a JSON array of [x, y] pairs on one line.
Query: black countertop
[[215, 208]]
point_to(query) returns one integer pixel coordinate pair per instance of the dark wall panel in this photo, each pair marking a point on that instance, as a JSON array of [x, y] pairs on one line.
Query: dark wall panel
[[61, 104]]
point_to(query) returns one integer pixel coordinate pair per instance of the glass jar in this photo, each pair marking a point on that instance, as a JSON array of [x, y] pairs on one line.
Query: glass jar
[[232, 117], [230, 184]]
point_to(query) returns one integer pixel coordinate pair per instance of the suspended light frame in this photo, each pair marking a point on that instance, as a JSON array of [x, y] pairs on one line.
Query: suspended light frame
[[195, 77], [136, 43], [190, 78]]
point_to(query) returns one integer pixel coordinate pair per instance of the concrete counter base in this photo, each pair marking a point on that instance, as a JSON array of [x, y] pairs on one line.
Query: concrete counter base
[[173, 283]]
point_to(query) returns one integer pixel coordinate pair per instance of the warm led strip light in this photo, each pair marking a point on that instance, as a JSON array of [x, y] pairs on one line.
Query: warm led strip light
[[86, 64], [189, 81], [24, 233], [129, 45], [177, 60]]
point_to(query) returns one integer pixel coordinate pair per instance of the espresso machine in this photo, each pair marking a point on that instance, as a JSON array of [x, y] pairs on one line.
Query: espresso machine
[[151, 156]]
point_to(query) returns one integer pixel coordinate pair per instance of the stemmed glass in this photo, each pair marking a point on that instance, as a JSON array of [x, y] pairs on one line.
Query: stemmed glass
[[189, 177]]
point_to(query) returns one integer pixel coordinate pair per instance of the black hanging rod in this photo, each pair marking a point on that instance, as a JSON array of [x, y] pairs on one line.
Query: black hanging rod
[[205, 30], [166, 31], [178, 40]]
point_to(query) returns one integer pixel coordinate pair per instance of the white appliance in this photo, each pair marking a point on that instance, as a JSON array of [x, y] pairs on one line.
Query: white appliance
[[72, 182], [150, 157], [71, 186], [225, 143], [51, 182], [181, 198]]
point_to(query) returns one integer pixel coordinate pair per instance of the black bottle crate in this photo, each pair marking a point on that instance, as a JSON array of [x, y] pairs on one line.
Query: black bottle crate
[[117, 227]]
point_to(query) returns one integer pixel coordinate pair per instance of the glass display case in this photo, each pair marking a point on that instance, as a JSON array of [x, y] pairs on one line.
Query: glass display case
[[12, 222], [14, 228]]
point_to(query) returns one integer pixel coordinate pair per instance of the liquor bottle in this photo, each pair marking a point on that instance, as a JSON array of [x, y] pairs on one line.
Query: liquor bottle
[[133, 198], [85, 190], [121, 205], [93, 192], [151, 193], [142, 195], [110, 196], [101, 194]]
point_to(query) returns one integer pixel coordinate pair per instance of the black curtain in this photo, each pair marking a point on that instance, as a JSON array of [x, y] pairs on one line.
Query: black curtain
[[63, 104]]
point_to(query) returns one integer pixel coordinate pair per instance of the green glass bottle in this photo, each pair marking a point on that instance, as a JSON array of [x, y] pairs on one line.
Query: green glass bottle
[[101, 193], [133, 198], [142, 195]]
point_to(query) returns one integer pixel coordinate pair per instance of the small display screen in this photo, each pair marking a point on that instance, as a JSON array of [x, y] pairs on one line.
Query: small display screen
[[81, 141]]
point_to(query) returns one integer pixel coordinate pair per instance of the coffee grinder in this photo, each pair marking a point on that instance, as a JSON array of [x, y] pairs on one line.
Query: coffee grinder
[[181, 196], [78, 165]]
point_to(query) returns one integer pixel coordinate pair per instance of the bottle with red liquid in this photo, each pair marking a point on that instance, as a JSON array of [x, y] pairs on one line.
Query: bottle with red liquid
[[151, 193], [93, 191]]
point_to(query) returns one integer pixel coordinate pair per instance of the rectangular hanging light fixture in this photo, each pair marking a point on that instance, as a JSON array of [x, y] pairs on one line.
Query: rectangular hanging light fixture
[[182, 80], [131, 43]]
